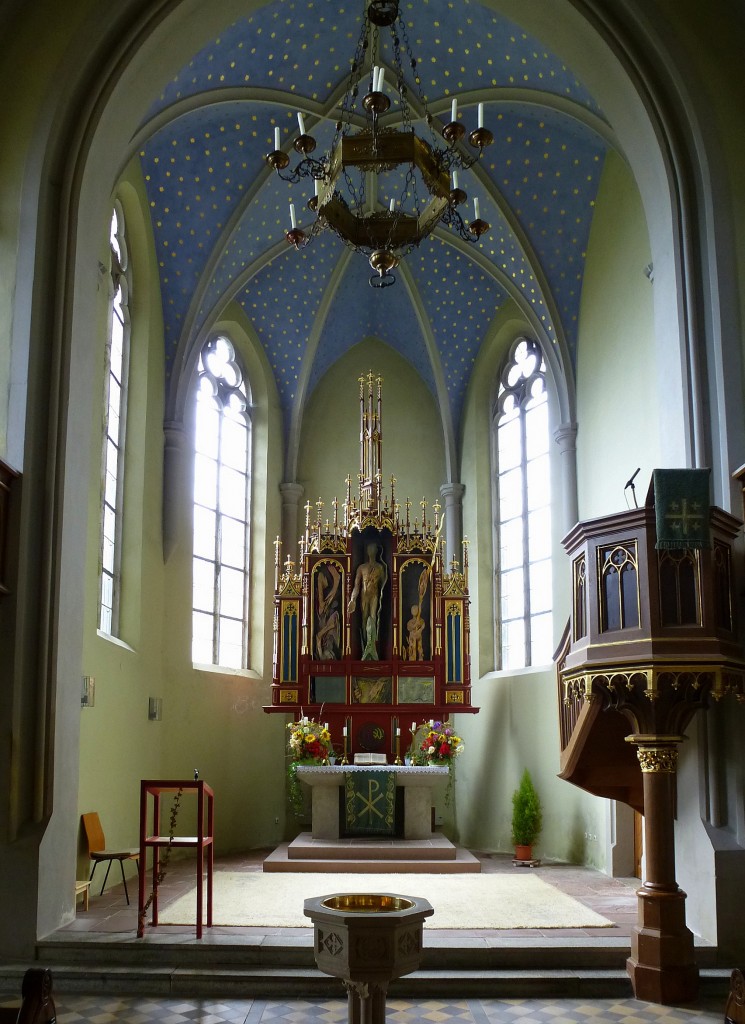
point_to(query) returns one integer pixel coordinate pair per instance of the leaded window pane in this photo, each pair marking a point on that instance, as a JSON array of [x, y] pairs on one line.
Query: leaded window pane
[[205, 481], [205, 525], [203, 585], [117, 355], [231, 643], [232, 492], [524, 520], [221, 494], [233, 545]]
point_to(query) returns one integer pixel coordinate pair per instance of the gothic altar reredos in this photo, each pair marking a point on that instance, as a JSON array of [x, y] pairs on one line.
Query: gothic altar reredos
[[371, 629]]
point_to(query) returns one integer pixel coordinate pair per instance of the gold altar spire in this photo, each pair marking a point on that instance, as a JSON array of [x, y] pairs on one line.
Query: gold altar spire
[[371, 442]]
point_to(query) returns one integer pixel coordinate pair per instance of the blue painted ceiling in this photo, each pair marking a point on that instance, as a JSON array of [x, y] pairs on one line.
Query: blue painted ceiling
[[219, 215]]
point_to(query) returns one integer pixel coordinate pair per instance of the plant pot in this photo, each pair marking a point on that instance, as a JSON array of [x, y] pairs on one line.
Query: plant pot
[[523, 852]]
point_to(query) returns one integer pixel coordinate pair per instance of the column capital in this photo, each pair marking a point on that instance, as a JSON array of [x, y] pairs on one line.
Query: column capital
[[565, 436], [453, 491], [656, 752], [658, 759], [291, 491], [174, 432]]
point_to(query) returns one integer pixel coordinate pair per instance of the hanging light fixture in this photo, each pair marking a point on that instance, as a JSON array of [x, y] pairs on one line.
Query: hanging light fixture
[[381, 187]]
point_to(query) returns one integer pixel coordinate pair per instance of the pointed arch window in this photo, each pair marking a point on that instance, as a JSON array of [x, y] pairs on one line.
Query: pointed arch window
[[222, 480], [524, 510], [115, 403]]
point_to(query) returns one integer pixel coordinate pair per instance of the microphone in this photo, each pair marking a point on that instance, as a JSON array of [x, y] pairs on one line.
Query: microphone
[[630, 482]]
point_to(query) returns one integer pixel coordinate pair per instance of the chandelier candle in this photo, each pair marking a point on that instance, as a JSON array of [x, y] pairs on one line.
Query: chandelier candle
[[293, 218], [276, 138], [481, 115], [301, 123], [476, 215], [454, 110]]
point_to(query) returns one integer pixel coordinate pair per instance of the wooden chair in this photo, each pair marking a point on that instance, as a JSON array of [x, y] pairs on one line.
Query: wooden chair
[[97, 850]]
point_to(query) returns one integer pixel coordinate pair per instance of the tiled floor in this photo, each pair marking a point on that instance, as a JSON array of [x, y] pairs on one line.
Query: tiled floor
[[614, 898], [72, 1009]]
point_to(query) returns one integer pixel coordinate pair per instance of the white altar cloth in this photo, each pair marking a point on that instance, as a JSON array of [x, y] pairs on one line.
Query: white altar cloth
[[418, 781]]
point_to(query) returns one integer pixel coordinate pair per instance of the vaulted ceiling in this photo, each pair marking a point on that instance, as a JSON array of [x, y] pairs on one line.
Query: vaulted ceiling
[[219, 213]]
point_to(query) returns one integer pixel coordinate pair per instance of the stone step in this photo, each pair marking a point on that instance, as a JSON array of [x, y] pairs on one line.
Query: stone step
[[444, 951], [305, 854], [305, 847], [270, 982], [438, 867]]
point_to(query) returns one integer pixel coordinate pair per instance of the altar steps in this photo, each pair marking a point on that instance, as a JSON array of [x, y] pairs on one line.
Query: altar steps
[[276, 967], [433, 856]]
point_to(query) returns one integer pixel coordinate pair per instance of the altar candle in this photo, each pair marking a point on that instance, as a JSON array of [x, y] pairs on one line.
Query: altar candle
[[455, 179], [293, 218], [476, 208], [326, 726], [276, 138], [344, 732], [413, 726], [431, 723], [454, 110], [481, 115], [301, 122], [398, 731]]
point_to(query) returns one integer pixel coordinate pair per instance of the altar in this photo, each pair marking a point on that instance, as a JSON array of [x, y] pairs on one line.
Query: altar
[[363, 791]]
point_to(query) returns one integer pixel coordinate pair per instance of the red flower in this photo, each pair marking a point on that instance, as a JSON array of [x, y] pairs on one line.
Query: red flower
[[444, 750]]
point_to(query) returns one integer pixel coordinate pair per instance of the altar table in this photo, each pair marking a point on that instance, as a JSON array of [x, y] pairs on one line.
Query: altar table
[[417, 782]]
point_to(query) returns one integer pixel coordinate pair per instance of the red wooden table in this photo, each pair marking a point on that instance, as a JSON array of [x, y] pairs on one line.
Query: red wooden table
[[153, 839]]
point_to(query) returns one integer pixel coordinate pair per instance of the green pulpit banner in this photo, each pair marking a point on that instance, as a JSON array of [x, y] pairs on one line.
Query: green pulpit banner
[[370, 802], [681, 501]]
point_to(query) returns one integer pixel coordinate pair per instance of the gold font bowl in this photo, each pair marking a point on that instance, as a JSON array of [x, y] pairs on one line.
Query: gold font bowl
[[367, 903]]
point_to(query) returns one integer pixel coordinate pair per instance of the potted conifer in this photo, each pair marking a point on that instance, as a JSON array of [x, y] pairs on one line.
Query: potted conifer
[[527, 817]]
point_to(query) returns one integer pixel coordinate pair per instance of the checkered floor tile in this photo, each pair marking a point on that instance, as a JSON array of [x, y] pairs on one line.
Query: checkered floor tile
[[83, 1009]]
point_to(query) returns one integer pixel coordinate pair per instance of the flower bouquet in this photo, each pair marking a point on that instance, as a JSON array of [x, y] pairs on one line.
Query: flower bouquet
[[307, 743], [439, 744]]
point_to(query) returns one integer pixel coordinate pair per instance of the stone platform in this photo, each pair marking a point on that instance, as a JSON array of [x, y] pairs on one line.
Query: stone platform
[[431, 856]]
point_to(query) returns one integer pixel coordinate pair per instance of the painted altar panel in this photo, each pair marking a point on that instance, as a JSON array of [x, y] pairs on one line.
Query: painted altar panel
[[371, 630]]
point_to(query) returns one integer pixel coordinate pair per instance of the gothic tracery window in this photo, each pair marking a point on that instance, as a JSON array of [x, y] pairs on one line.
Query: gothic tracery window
[[115, 404], [524, 510], [222, 463]]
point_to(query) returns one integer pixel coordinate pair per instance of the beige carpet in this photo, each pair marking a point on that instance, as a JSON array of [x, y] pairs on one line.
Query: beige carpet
[[491, 901]]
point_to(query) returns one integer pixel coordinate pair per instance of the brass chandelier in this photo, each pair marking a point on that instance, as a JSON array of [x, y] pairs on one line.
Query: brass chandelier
[[369, 163]]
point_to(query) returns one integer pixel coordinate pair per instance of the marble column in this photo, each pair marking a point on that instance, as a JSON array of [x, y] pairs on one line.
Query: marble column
[[661, 966], [565, 436], [452, 494], [291, 528], [176, 490]]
